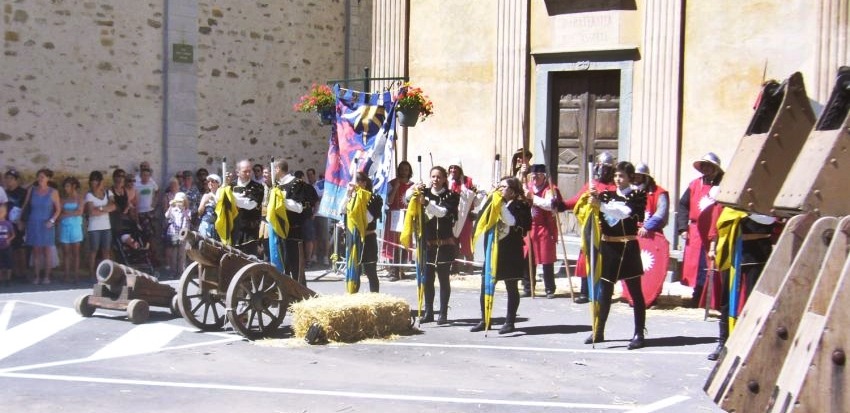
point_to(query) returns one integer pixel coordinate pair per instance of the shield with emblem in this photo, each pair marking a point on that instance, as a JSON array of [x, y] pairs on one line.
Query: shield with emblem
[[654, 253]]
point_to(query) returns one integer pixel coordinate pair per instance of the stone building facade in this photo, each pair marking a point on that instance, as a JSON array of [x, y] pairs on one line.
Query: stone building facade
[[88, 85]]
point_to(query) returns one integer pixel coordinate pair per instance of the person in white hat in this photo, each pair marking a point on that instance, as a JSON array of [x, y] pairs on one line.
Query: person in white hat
[[695, 217], [657, 201], [177, 218]]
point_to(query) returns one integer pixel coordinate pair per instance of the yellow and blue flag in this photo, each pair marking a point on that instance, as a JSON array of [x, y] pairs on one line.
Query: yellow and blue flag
[[225, 214], [587, 214], [356, 220], [728, 256], [279, 222], [414, 228], [488, 226]]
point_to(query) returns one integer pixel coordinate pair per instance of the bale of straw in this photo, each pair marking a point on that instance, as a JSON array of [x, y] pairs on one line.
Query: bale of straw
[[352, 317]]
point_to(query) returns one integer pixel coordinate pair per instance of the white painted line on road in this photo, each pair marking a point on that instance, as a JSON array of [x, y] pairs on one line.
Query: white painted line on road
[[6, 315], [88, 359], [24, 335], [654, 407], [325, 393], [146, 338], [541, 349]]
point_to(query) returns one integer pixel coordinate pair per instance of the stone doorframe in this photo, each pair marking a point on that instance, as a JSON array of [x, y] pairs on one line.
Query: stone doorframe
[[546, 64]]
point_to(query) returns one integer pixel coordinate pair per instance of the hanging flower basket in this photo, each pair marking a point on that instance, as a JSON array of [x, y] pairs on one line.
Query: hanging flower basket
[[408, 117], [327, 116], [319, 99], [412, 105]]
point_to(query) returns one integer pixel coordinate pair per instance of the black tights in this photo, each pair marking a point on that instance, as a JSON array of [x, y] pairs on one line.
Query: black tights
[[432, 272], [371, 271], [639, 305], [512, 287]]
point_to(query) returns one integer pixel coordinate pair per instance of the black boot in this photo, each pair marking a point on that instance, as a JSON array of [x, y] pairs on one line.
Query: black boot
[[478, 327], [640, 321], [600, 336], [428, 317], [721, 342], [508, 327], [445, 293], [443, 319], [636, 342]]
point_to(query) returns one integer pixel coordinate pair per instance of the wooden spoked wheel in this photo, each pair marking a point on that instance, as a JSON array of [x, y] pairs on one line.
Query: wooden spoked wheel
[[201, 300], [256, 303]]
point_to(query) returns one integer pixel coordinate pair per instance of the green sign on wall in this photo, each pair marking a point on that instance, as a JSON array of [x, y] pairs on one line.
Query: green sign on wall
[[182, 53]]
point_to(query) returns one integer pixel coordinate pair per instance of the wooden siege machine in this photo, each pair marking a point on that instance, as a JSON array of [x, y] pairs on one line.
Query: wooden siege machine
[[788, 349]]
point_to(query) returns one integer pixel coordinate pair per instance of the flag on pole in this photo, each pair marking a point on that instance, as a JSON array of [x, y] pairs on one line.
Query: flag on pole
[[356, 221], [488, 226], [362, 139], [587, 214], [728, 257], [414, 228], [279, 222], [225, 213]]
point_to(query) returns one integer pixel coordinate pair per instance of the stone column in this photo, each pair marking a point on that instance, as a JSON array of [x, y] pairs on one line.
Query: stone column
[[389, 50], [655, 133], [833, 48], [511, 125], [180, 111]]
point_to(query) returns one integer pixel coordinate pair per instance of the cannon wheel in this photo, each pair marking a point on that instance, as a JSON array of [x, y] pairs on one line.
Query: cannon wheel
[[81, 304], [256, 302], [138, 311], [201, 307]]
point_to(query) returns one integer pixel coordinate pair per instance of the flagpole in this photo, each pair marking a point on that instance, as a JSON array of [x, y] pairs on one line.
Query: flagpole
[[532, 269], [224, 179], [592, 259], [561, 237]]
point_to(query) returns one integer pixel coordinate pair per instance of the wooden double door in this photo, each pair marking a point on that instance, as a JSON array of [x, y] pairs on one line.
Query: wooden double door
[[586, 105]]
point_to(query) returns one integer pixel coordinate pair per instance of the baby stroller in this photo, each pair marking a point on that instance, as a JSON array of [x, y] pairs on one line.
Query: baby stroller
[[131, 247]]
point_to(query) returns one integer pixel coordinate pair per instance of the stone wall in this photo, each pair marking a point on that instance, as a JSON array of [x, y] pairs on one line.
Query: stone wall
[[254, 60], [82, 84]]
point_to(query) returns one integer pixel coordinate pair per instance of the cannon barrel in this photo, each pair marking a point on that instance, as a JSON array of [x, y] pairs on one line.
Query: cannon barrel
[[115, 275]]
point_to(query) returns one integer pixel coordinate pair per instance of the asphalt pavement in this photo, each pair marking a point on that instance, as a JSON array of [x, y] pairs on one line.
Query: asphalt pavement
[[53, 360]]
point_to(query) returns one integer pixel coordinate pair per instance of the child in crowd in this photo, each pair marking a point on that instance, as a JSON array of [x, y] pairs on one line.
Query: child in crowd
[[178, 218], [7, 234]]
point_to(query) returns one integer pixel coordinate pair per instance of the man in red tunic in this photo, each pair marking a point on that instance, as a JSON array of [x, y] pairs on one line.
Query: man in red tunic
[[657, 202], [603, 175], [544, 199], [695, 219]]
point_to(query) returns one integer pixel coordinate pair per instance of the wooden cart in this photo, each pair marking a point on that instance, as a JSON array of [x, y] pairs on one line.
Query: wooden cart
[[123, 288], [225, 282]]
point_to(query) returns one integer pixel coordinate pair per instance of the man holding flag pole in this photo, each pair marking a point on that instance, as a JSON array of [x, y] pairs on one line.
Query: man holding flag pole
[[611, 218]]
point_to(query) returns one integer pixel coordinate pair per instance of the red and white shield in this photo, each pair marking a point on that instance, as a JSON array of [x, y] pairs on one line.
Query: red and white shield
[[655, 254]]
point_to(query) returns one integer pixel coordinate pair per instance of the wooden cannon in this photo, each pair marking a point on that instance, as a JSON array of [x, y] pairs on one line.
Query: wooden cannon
[[225, 282], [123, 288]]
